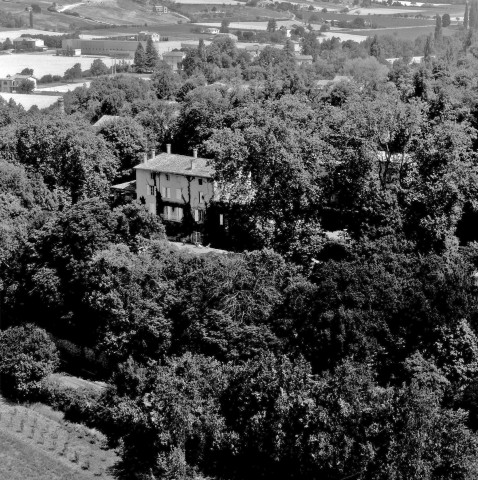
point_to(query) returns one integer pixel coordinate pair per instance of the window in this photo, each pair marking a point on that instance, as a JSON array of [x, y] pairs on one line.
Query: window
[[199, 215], [200, 181], [196, 215], [167, 177], [151, 189], [180, 213], [178, 194], [201, 197], [152, 175]]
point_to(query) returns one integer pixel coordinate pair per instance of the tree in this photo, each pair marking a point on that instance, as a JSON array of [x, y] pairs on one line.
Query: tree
[[27, 356], [25, 86], [375, 49], [165, 82], [7, 44], [126, 138], [27, 71], [438, 29], [73, 73], [427, 52], [224, 26], [151, 55], [31, 18], [271, 25], [139, 57], [98, 68], [445, 20], [473, 16]]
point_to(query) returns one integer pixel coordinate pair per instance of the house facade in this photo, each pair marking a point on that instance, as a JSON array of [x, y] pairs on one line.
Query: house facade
[[9, 84], [179, 188], [28, 44]]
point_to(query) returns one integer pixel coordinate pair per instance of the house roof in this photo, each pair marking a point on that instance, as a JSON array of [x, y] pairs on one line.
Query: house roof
[[178, 164], [126, 186], [173, 54], [106, 119]]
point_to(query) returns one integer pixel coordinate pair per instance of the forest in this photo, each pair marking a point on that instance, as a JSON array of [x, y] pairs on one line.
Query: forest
[[338, 338]]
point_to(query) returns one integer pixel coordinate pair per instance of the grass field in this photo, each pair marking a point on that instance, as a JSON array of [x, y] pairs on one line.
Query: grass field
[[44, 64], [36, 443]]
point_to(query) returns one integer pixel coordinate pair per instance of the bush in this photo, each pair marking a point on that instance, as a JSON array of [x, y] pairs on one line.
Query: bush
[[78, 404], [27, 356]]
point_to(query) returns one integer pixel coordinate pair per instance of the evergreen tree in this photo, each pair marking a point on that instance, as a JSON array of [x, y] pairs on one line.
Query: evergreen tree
[[140, 57], [428, 49], [472, 16], [438, 28], [289, 48], [31, 18], [7, 44], [375, 49], [202, 50], [271, 25], [152, 56], [465, 18]]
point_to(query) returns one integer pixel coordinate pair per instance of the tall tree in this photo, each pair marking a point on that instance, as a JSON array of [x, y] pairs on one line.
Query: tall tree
[[151, 55], [438, 28], [139, 57], [271, 25], [427, 52], [375, 49]]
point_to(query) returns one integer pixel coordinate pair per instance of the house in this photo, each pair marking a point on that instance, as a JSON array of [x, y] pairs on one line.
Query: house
[[174, 59], [322, 84], [303, 60], [124, 191], [177, 187], [9, 84], [28, 44], [212, 30], [160, 9]]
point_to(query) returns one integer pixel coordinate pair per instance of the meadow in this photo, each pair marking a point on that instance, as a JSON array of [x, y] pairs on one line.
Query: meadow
[[36, 443], [44, 64]]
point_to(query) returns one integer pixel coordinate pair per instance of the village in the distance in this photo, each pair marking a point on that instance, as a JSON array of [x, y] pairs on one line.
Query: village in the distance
[[238, 240]]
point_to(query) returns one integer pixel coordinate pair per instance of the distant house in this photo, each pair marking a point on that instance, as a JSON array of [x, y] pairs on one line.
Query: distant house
[[124, 191], [29, 44], [9, 84], [173, 59], [303, 60], [321, 84], [175, 186], [212, 30], [160, 9]]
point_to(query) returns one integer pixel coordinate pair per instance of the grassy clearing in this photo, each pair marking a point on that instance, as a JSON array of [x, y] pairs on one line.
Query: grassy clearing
[[36, 443]]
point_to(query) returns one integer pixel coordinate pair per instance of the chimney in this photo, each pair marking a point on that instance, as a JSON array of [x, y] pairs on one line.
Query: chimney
[[168, 148], [145, 157], [193, 160], [153, 153]]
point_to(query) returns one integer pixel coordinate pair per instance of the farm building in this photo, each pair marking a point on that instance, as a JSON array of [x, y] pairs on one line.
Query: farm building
[[28, 44], [116, 48]]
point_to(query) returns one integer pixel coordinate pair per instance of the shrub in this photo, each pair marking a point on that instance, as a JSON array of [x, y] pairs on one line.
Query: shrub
[[27, 356]]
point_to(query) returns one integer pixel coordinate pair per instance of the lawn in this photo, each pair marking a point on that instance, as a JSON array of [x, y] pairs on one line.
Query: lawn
[[36, 443]]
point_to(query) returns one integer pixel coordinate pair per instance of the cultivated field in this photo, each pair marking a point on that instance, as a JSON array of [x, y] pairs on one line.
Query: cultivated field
[[44, 64], [37, 444]]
